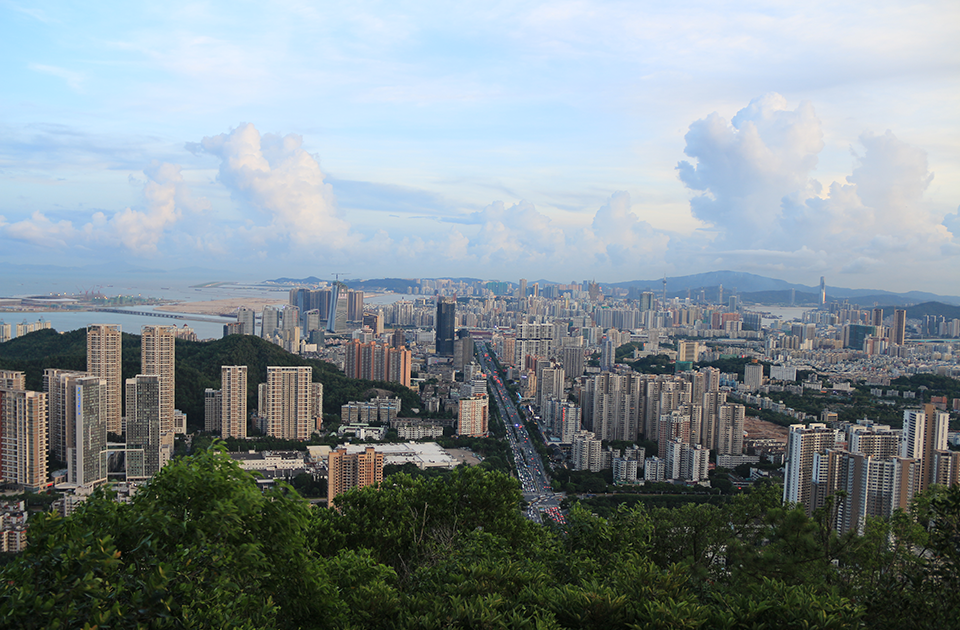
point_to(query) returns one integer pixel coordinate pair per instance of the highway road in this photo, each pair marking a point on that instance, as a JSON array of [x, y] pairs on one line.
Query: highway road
[[534, 482]]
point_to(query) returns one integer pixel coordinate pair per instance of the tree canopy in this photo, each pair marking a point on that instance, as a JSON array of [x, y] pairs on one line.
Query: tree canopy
[[200, 546]]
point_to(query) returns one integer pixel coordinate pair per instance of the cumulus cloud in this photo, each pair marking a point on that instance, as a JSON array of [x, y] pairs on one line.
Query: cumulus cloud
[[166, 198], [753, 177], [745, 167], [274, 175], [139, 231], [618, 237]]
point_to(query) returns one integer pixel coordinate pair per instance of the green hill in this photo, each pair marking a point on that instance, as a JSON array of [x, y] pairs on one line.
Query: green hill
[[198, 367]]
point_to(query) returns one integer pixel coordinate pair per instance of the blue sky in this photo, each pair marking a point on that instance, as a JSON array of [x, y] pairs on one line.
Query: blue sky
[[564, 140]]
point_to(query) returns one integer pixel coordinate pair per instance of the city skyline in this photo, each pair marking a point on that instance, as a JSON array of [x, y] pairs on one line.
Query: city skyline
[[579, 140]]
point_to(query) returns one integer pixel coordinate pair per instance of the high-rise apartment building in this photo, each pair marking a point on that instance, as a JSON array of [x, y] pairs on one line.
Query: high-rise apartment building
[[378, 362], [146, 452], [730, 429], [585, 453], [347, 470], [233, 407], [753, 376], [104, 358], [77, 426], [446, 325], [924, 431], [87, 432], [288, 405], [804, 442], [13, 379], [158, 357], [23, 438], [474, 415], [212, 410]]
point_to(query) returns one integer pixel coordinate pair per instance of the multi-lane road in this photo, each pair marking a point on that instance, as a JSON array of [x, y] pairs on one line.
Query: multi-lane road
[[534, 482]]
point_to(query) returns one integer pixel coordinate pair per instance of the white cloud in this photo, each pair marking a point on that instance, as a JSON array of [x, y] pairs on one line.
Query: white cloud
[[139, 231], [276, 176], [756, 192]]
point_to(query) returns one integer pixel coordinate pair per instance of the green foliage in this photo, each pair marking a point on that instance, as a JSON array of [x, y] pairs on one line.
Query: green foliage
[[201, 547], [658, 364]]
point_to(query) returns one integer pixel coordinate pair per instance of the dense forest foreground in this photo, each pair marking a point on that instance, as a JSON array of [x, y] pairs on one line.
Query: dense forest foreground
[[201, 547]]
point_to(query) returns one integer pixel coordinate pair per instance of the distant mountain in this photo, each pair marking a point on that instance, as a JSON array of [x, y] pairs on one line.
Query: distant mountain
[[919, 311], [751, 283]]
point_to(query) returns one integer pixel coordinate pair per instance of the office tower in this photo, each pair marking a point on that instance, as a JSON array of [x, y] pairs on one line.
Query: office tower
[[13, 379], [803, 443], [352, 470], [338, 307], [523, 288], [158, 357], [899, 332], [823, 292], [924, 431], [144, 394], [23, 438], [104, 359], [473, 417], [462, 350], [753, 376], [212, 410], [446, 325], [288, 403], [877, 317], [233, 407], [247, 318], [730, 432], [269, 321]]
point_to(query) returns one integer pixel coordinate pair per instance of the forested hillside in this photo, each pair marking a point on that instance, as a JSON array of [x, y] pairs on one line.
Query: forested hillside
[[197, 367], [201, 547]]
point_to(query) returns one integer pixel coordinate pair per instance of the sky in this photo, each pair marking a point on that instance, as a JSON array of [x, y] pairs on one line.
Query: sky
[[558, 140]]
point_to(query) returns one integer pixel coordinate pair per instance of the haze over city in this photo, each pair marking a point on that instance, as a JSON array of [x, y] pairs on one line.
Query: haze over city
[[544, 140]]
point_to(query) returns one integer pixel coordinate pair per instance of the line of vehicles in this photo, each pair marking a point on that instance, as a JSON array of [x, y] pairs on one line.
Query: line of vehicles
[[534, 482]]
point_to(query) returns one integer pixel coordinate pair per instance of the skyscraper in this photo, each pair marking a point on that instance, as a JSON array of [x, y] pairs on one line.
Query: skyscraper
[[104, 358], [877, 318], [212, 410], [144, 433], [287, 403], [23, 438], [899, 332], [269, 321], [446, 325], [158, 357], [233, 406], [247, 318], [339, 306]]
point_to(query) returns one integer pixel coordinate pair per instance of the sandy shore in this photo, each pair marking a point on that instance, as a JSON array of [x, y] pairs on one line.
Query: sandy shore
[[220, 307]]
